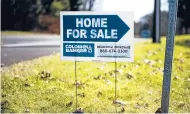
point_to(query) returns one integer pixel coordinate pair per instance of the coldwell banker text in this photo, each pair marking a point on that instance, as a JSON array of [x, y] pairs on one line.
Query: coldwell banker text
[[98, 29]]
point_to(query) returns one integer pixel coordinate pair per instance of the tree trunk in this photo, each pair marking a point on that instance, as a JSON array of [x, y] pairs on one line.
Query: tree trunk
[[74, 5], [186, 30], [153, 22], [156, 22]]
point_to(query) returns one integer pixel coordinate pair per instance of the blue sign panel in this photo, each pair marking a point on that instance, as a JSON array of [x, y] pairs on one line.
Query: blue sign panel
[[93, 28], [78, 49], [145, 33]]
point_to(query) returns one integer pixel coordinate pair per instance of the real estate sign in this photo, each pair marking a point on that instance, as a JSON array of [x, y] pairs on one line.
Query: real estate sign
[[97, 36]]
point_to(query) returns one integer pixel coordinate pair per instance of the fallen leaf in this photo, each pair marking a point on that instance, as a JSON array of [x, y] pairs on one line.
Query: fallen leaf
[[137, 66], [119, 102], [146, 105], [160, 49], [27, 85], [48, 74], [2, 65], [158, 110], [69, 104], [102, 68], [187, 53], [122, 110], [139, 73], [150, 92], [45, 74], [108, 81], [146, 60], [150, 62], [149, 54], [160, 61], [129, 75], [181, 60], [78, 84], [181, 104], [99, 94], [154, 53], [81, 94], [4, 103], [124, 66], [154, 70], [98, 77], [150, 73], [137, 106], [3, 95], [79, 110], [17, 76], [111, 74], [156, 101], [46, 81], [27, 110], [119, 71], [180, 68], [176, 78]]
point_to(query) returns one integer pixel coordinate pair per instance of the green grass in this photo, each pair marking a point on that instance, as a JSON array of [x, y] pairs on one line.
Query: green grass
[[19, 32], [139, 84]]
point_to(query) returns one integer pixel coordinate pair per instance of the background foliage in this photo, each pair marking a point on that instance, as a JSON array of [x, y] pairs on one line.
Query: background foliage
[[43, 15]]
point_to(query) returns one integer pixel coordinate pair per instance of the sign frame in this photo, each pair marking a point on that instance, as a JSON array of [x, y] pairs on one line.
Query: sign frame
[[126, 17]]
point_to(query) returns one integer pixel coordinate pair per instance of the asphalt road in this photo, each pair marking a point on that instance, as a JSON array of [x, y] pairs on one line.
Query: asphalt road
[[17, 48]]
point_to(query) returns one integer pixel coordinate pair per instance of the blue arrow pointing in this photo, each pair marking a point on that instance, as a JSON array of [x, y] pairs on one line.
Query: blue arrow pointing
[[113, 22]]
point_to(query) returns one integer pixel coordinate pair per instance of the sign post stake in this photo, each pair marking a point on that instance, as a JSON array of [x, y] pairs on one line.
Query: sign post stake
[[169, 55], [95, 36]]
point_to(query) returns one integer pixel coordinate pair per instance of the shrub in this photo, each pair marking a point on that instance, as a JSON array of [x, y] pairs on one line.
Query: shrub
[[49, 24]]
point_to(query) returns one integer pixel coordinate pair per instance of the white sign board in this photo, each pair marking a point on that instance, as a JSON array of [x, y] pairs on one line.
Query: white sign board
[[97, 36]]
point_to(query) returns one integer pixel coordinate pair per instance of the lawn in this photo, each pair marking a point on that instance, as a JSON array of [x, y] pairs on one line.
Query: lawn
[[20, 33], [48, 85]]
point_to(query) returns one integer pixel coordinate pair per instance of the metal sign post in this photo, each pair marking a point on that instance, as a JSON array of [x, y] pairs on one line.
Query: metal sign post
[[169, 55]]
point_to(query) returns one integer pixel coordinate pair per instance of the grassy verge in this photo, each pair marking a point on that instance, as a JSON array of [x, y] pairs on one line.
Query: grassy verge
[[48, 84], [19, 33]]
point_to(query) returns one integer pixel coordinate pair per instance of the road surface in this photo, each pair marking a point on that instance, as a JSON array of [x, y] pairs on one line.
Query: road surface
[[17, 48]]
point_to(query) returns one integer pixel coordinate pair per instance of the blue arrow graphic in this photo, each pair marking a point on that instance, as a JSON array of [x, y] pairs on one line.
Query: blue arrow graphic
[[113, 22]]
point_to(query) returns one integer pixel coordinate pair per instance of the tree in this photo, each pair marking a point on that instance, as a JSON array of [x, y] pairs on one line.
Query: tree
[[137, 29], [183, 13], [23, 14], [78, 5], [164, 21], [59, 5]]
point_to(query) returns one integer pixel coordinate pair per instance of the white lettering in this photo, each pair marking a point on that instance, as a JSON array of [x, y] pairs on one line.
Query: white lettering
[[93, 33], [100, 34], [93, 22], [104, 22], [75, 33], [69, 32], [79, 23], [83, 33], [87, 22], [114, 33]]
